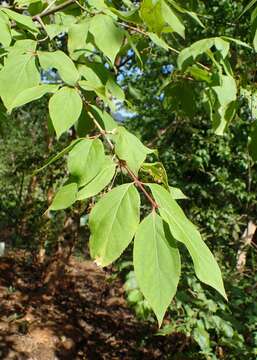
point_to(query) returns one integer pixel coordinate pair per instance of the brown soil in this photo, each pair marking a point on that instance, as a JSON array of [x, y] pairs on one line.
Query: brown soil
[[86, 318]]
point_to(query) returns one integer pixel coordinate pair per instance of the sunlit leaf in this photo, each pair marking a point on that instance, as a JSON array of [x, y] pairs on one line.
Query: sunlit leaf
[[107, 36], [206, 267], [157, 263], [64, 108], [64, 197], [130, 149], [111, 232]]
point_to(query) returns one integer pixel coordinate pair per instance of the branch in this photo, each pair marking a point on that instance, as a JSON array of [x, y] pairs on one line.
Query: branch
[[143, 32], [122, 163], [49, 11], [141, 186]]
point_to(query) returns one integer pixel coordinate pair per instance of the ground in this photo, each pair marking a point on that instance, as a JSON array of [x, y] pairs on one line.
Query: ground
[[86, 318]]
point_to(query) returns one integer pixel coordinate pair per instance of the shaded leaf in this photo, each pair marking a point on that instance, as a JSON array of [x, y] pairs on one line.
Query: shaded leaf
[[102, 179], [253, 141], [57, 156], [85, 160], [60, 61], [202, 338]]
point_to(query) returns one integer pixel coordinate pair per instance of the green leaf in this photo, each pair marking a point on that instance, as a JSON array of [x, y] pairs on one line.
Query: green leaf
[[158, 41], [248, 7], [85, 124], [65, 197], [19, 72], [224, 107], [22, 20], [104, 118], [236, 41], [55, 29], [176, 193], [172, 20], [102, 179], [64, 108], [130, 149], [202, 338], [57, 156], [157, 172], [255, 41], [253, 141], [199, 47], [95, 73], [199, 74], [160, 17], [86, 160], [192, 14], [157, 263], [22, 47], [98, 76], [206, 267], [32, 94], [151, 14], [77, 37], [108, 38], [114, 90], [5, 30], [131, 16], [111, 232], [60, 61]]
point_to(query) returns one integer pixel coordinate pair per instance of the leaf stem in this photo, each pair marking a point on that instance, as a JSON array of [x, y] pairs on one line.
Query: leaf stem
[[121, 162], [141, 186]]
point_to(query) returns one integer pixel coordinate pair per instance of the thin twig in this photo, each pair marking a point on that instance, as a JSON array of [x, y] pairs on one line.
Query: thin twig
[[121, 162], [142, 32], [50, 11], [40, 21], [141, 186]]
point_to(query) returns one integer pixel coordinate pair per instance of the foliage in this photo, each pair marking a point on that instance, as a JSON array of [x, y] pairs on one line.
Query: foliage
[[23, 147], [83, 44], [218, 177], [218, 328]]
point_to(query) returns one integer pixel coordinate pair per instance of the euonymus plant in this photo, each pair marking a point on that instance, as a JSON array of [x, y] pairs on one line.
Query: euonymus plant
[[72, 51]]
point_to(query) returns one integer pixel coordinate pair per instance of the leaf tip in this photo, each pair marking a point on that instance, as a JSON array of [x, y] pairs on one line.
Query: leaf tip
[[99, 262]]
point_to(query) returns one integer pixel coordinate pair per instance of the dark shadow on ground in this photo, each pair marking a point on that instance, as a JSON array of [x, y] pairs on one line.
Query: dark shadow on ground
[[86, 318]]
